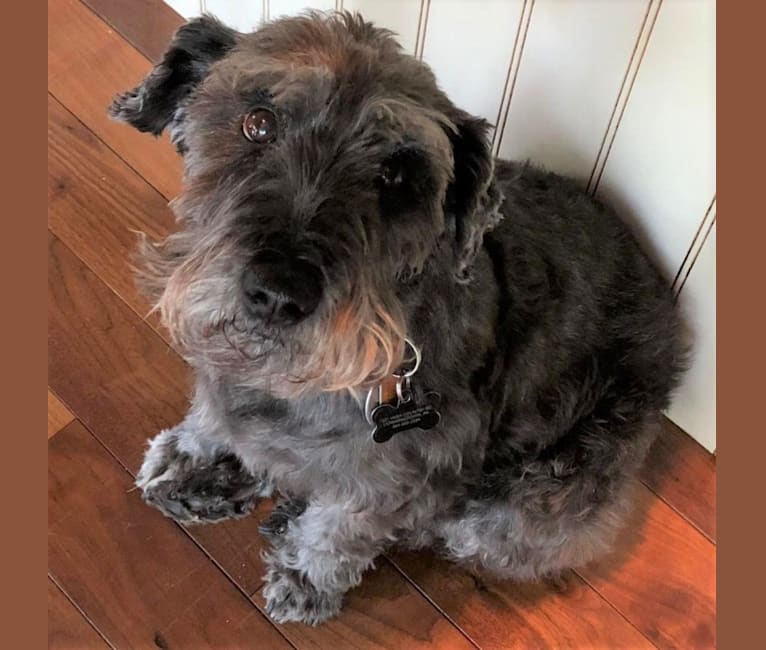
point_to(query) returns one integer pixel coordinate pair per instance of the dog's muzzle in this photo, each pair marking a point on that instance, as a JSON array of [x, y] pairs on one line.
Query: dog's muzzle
[[281, 290]]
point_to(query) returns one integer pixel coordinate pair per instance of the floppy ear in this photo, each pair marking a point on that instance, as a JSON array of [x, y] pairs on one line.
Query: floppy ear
[[158, 101], [473, 198]]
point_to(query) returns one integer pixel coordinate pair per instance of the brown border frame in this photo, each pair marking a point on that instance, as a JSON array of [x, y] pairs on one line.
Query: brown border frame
[[24, 324], [741, 145]]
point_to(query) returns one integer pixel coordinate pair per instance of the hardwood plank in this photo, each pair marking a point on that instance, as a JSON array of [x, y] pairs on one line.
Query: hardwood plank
[[385, 611], [88, 63], [140, 579], [661, 576], [58, 415], [119, 377], [501, 614], [96, 203], [147, 24], [67, 628], [125, 384], [683, 474]]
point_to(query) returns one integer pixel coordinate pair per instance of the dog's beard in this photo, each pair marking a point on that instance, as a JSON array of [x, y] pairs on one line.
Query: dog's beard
[[360, 344], [351, 343]]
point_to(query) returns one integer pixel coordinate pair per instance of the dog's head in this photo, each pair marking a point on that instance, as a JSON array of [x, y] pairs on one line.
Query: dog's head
[[324, 171]]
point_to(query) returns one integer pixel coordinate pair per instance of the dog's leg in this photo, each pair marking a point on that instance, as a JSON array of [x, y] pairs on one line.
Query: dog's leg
[[548, 514], [193, 480], [316, 557]]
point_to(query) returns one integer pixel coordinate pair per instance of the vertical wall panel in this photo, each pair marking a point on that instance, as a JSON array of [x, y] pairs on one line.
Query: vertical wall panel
[[279, 8], [661, 168], [400, 16], [573, 63], [470, 50], [187, 8], [694, 406], [244, 15]]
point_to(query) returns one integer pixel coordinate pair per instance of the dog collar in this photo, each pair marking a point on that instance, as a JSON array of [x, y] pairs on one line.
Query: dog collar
[[391, 407]]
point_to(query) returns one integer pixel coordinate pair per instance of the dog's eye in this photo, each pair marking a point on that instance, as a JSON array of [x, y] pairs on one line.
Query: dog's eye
[[404, 182], [260, 126], [392, 174]]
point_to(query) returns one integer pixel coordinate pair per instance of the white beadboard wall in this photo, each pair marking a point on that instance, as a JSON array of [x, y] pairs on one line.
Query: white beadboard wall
[[619, 94]]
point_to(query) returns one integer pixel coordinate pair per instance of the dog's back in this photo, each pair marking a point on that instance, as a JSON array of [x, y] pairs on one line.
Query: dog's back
[[588, 344], [579, 290]]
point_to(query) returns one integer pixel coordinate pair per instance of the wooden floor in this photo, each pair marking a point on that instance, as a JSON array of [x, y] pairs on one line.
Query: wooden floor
[[121, 575]]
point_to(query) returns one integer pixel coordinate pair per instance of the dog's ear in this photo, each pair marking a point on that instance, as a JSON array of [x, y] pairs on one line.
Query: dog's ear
[[159, 99], [473, 199]]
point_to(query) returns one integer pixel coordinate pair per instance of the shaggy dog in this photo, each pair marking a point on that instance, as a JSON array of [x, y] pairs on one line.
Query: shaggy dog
[[351, 260]]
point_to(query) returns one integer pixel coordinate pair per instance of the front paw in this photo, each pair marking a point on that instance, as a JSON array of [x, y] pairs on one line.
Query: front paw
[[275, 526], [290, 597], [189, 489]]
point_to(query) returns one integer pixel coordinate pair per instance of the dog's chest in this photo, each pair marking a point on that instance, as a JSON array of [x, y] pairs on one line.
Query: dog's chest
[[320, 445]]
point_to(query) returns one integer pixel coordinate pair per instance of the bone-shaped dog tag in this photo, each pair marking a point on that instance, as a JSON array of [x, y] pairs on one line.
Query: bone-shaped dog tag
[[391, 419]]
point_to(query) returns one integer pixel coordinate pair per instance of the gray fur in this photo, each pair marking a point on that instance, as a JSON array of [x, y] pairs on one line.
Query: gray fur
[[551, 337]]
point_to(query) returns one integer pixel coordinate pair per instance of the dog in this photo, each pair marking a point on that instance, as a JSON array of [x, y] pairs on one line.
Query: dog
[[407, 342]]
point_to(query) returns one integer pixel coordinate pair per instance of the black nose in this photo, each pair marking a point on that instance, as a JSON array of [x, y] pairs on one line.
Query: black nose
[[281, 290]]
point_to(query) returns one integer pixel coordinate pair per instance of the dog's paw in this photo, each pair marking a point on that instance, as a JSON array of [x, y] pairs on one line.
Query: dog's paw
[[275, 525], [126, 106], [207, 494], [292, 598], [194, 490]]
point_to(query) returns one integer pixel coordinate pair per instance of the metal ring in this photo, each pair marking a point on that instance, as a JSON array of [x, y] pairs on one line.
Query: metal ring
[[368, 405], [401, 386], [418, 357]]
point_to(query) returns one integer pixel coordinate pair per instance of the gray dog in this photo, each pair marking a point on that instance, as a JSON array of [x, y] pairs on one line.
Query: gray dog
[[409, 342]]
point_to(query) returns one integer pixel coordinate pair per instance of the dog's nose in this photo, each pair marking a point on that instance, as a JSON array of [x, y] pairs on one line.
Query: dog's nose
[[281, 290]]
